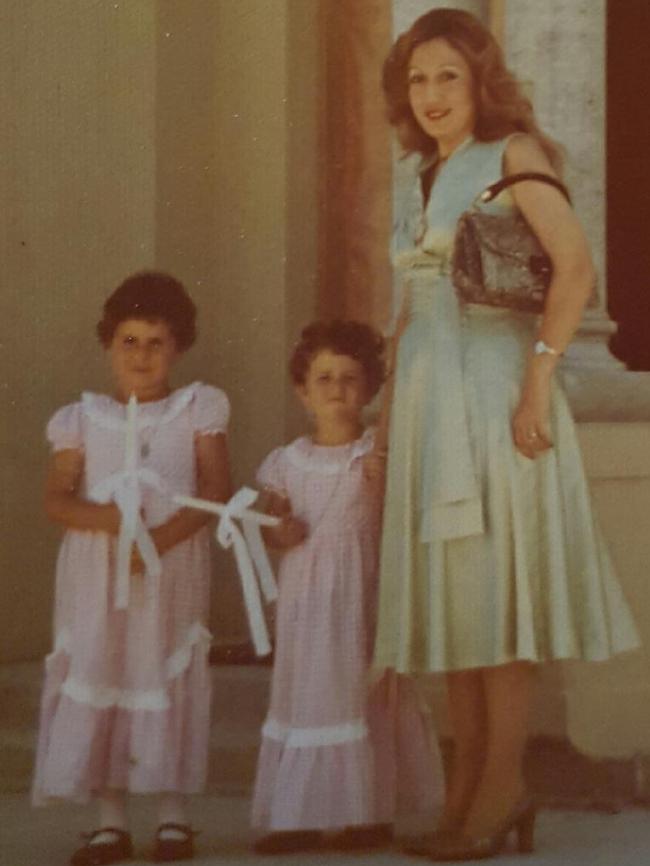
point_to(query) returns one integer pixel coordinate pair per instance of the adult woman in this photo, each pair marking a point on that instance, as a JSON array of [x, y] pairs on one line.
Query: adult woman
[[491, 561]]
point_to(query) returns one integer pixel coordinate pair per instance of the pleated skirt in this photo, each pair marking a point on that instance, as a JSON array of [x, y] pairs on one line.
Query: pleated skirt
[[537, 584]]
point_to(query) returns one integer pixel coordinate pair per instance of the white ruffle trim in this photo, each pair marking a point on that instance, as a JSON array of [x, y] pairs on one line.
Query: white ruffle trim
[[103, 697], [95, 407], [211, 431], [304, 455], [330, 735]]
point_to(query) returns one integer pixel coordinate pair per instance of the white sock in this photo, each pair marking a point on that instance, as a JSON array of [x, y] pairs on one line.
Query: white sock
[[112, 813], [172, 811]]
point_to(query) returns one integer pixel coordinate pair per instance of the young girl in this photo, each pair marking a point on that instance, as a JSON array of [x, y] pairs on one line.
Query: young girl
[[328, 758], [127, 692]]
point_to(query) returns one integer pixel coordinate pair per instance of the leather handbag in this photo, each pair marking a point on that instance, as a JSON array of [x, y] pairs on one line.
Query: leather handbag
[[497, 259]]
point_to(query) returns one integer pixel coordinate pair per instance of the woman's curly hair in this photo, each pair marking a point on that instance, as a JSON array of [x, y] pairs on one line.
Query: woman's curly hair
[[501, 107], [354, 339], [153, 296]]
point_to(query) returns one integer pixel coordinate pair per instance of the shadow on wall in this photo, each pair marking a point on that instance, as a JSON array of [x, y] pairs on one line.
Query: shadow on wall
[[628, 179]]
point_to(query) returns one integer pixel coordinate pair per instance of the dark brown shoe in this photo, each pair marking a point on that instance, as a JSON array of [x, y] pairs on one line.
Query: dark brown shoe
[[103, 853], [288, 841], [168, 850], [364, 837]]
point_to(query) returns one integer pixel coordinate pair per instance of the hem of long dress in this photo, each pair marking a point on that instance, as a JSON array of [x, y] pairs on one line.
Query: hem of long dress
[[401, 667], [92, 737], [315, 787]]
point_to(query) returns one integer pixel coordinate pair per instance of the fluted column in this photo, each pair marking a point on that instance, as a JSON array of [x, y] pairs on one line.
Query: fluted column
[[406, 11], [557, 49]]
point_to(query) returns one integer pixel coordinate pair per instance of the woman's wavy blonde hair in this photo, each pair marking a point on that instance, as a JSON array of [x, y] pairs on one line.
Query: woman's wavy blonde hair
[[501, 107]]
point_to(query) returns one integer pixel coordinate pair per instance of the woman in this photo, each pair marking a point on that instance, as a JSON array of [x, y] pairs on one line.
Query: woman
[[491, 559]]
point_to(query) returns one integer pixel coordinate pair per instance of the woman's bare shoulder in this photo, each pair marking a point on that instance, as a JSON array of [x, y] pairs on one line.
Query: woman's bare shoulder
[[524, 153]]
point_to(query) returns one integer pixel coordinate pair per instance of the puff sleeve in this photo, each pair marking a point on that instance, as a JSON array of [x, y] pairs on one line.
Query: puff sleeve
[[64, 429], [272, 473], [210, 410]]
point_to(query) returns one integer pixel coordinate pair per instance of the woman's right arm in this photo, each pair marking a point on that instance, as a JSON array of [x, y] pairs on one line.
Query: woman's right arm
[[62, 501]]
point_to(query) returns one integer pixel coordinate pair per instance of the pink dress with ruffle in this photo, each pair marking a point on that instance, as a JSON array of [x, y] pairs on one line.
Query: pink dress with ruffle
[[335, 751], [126, 699]]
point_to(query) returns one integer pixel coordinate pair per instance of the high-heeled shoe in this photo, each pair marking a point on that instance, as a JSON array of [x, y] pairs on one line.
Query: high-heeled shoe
[[422, 845], [520, 820]]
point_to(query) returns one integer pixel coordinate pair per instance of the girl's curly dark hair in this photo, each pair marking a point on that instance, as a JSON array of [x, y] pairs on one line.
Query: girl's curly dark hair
[[354, 339], [501, 107], [154, 296]]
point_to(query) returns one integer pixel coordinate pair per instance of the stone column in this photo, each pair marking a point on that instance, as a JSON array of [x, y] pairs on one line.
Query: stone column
[[557, 49], [406, 11]]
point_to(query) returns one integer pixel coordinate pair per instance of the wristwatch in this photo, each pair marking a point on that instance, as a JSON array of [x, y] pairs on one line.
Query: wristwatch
[[542, 348]]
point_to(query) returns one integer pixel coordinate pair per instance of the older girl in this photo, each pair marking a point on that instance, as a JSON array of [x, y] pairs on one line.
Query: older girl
[[127, 692]]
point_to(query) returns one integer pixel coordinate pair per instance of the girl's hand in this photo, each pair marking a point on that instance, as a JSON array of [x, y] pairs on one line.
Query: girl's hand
[[111, 518], [530, 424], [289, 533], [137, 564], [374, 465], [64, 503]]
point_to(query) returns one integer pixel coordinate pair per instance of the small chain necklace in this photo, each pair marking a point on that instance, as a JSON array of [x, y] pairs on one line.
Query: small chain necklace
[[147, 434]]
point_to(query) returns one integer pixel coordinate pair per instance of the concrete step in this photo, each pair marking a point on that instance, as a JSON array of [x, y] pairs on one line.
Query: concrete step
[[240, 697], [20, 692]]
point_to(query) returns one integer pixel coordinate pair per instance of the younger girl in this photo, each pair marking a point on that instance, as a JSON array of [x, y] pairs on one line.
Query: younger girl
[[127, 692], [328, 758]]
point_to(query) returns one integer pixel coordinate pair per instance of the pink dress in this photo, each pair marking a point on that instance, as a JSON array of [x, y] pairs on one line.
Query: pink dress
[[126, 699], [335, 752]]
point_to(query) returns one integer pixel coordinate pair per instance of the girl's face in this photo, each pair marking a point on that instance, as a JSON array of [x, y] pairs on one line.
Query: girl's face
[[335, 388], [441, 93], [142, 354]]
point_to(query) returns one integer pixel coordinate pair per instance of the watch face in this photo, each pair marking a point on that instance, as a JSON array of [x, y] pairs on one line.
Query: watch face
[[541, 348]]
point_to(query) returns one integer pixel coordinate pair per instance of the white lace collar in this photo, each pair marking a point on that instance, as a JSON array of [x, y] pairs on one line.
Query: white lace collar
[[304, 454], [108, 413]]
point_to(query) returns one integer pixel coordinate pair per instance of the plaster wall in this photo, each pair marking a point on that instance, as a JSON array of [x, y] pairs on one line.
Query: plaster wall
[[136, 135], [77, 185]]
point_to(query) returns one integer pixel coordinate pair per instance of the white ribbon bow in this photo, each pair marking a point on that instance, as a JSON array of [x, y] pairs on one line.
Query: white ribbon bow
[[250, 554], [125, 490]]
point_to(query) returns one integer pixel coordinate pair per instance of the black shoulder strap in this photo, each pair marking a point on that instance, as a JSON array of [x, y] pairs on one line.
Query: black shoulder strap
[[494, 189]]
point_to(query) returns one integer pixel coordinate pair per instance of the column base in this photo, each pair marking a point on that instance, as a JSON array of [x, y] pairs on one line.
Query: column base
[[607, 394], [590, 349]]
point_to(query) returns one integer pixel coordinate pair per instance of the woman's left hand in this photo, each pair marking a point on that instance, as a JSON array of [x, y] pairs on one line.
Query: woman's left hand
[[531, 428]]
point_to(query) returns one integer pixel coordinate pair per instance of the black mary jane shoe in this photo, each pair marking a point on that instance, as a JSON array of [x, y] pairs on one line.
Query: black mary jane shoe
[[103, 853], [168, 850], [288, 842]]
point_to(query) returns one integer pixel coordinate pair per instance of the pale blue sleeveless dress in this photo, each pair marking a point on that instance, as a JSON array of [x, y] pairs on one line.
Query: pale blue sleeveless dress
[[487, 557]]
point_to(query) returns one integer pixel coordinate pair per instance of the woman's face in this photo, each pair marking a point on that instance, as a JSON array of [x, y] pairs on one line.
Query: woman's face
[[441, 93]]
